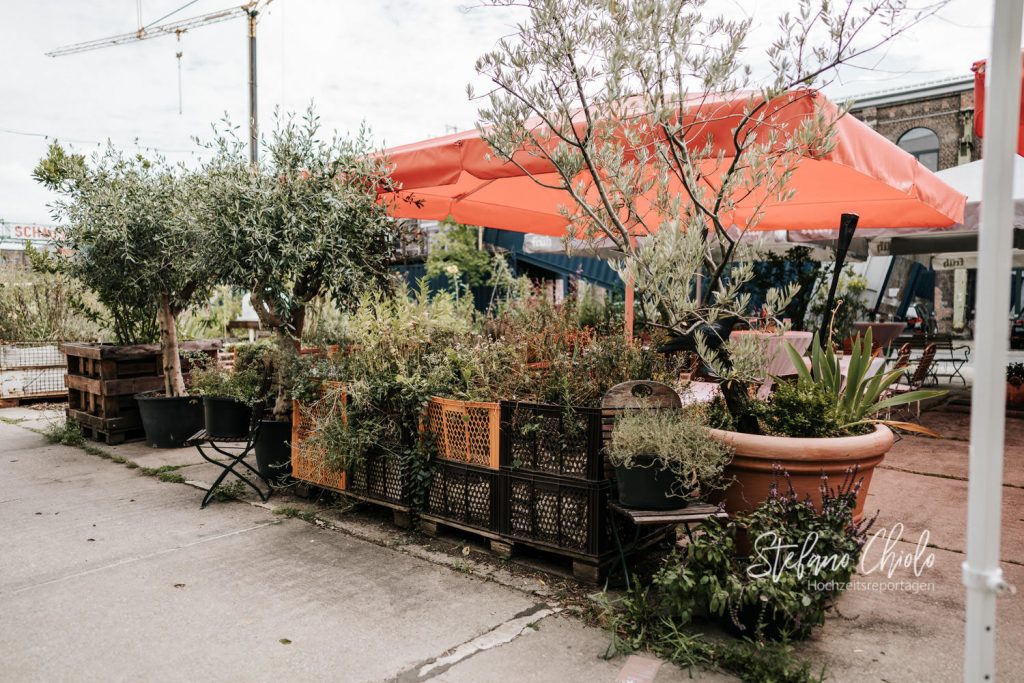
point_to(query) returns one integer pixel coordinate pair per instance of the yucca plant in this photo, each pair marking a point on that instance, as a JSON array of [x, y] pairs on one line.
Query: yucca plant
[[859, 399]]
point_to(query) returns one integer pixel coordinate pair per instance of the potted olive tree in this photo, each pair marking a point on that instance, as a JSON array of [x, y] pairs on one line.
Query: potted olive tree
[[300, 226], [626, 133], [663, 456], [131, 233]]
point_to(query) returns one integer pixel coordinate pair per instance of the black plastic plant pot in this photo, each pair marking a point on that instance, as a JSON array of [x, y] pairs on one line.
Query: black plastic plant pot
[[647, 486], [226, 418], [273, 449], [169, 422]]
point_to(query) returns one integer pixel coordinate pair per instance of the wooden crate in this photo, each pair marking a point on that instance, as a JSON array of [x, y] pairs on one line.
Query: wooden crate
[[102, 380]]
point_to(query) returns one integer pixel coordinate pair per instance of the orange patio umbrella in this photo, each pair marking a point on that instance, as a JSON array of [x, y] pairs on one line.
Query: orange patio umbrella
[[459, 176]]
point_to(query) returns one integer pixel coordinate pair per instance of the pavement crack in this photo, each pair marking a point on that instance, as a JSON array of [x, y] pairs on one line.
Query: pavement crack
[[954, 477], [503, 633]]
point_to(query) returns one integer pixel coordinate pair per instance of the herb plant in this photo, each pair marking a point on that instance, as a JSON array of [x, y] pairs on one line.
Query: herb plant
[[679, 442], [1015, 374]]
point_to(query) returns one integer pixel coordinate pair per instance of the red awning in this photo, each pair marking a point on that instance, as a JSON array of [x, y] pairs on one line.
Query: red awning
[[459, 176]]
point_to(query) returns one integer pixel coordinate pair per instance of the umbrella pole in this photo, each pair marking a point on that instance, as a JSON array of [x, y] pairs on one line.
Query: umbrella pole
[[630, 297], [981, 572], [847, 225], [629, 310]]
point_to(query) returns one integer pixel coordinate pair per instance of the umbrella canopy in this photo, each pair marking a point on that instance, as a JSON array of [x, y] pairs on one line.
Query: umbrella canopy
[[459, 176], [958, 237]]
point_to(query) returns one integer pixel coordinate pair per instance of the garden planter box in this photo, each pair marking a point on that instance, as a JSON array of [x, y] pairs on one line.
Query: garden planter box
[[804, 459], [566, 516], [308, 460], [464, 495], [31, 370], [465, 431], [102, 380], [553, 440]]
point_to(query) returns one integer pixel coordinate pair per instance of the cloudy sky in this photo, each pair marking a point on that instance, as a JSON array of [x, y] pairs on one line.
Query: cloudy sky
[[400, 65]]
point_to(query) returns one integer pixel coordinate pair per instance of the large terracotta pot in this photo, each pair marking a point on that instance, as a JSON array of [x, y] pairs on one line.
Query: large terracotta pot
[[1014, 395], [804, 459]]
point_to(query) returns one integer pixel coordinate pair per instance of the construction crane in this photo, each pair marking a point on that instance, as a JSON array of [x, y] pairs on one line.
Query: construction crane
[[251, 10]]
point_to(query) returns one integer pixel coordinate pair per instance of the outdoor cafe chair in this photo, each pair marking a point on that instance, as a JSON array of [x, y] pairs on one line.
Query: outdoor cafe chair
[[915, 379], [229, 453]]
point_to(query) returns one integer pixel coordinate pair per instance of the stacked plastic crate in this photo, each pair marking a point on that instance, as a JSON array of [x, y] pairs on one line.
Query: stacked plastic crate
[[555, 486], [465, 490]]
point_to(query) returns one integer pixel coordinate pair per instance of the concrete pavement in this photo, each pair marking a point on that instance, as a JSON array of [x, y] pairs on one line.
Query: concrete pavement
[[110, 575], [107, 574]]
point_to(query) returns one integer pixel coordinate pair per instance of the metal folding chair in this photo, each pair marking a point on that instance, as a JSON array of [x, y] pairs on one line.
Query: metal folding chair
[[232, 453]]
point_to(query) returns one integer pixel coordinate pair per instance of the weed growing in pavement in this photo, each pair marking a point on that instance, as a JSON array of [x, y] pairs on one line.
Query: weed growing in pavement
[[65, 433], [157, 471], [295, 513], [225, 492], [460, 566]]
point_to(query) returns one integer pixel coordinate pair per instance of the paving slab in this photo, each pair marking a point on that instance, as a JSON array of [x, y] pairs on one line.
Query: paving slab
[[555, 650], [939, 506], [899, 636], [122, 577], [237, 593]]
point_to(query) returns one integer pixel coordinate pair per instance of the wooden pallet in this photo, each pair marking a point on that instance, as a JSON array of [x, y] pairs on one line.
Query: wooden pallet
[[584, 568], [112, 438], [434, 526], [103, 379], [401, 514], [15, 401]]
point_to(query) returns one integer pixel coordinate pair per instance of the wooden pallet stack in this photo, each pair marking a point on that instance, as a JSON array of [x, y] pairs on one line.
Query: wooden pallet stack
[[102, 381]]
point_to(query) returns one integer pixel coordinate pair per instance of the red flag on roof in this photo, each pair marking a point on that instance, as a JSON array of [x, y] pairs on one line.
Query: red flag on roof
[[979, 105]]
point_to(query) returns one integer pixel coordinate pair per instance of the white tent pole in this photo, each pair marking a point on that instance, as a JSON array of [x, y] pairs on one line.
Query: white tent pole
[[981, 572]]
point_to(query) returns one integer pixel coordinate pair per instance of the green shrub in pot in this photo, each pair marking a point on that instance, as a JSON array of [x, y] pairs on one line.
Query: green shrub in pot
[[664, 457]]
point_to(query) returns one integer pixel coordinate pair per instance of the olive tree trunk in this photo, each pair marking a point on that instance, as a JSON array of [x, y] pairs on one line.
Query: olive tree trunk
[[174, 381]]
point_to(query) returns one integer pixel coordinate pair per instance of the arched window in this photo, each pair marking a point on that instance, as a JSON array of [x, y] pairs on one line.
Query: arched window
[[923, 143]]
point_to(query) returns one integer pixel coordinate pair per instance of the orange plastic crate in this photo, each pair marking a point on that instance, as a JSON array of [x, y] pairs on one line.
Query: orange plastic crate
[[308, 461], [465, 431]]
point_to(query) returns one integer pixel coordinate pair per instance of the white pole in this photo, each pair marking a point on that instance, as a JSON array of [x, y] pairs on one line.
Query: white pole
[[981, 572]]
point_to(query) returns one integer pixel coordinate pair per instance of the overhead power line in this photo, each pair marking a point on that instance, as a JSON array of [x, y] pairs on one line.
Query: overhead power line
[[98, 143]]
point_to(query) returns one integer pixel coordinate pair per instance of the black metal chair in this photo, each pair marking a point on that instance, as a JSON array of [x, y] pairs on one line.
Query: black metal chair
[[232, 452]]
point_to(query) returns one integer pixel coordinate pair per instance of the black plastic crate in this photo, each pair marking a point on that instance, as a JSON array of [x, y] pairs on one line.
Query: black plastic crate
[[556, 512], [553, 440], [465, 494], [382, 477]]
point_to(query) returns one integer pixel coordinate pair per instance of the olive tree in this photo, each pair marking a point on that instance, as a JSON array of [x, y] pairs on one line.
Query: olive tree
[[130, 233], [302, 223], [617, 98]]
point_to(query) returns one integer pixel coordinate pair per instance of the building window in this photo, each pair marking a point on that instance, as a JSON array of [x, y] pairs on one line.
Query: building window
[[923, 143]]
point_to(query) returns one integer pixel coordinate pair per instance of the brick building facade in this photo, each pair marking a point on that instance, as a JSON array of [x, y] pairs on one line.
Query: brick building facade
[[946, 108], [935, 122]]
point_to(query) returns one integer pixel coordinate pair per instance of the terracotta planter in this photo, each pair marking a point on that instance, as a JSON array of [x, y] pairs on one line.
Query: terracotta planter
[[804, 459], [1015, 395]]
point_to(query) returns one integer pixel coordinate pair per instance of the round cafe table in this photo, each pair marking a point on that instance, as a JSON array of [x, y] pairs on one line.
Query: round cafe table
[[883, 334]]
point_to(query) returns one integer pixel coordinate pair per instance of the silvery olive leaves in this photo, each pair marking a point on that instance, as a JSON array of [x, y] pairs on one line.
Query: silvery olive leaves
[[605, 90]]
